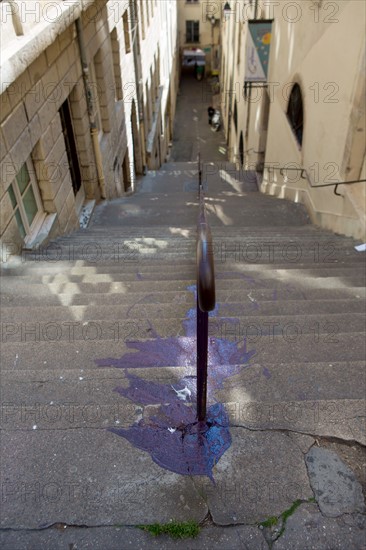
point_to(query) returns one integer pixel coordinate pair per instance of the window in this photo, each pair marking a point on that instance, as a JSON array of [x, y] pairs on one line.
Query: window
[[142, 19], [70, 145], [126, 32], [295, 113], [116, 65], [192, 31], [235, 116], [25, 199], [148, 107], [241, 149], [192, 1]]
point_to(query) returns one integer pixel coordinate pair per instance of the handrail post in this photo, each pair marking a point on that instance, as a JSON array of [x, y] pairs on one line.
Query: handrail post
[[202, 352], [205, 297], [199, 172]]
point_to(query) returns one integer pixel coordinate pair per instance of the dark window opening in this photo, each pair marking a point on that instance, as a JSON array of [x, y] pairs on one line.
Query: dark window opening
[[70, 145], [126, 173], [241, 149], [235, 116], [192, 31], [295, 113]]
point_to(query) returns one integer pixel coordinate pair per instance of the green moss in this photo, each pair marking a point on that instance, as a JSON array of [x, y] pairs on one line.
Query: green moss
[[175, 529], [270, 522], [273, 520], [287, 513]]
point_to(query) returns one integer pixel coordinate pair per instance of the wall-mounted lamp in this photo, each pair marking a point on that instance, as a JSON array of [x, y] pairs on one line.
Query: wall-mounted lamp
[[212, 19], [227, 11]]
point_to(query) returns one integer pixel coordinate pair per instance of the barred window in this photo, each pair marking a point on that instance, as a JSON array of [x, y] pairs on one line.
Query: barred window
[[192, 31]]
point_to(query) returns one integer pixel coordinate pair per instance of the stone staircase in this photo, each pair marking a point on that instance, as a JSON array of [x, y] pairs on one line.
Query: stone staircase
[[95, 320]]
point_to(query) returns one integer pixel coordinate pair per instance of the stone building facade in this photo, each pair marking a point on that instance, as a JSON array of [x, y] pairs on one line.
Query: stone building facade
[[303, 127], [88, 91]]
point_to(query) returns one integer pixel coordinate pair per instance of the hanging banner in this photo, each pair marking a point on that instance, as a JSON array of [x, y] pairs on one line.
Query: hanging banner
[[257, 53]]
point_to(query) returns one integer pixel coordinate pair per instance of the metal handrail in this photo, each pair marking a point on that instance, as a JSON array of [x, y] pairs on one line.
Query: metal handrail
[[307, 177], [206, 298]]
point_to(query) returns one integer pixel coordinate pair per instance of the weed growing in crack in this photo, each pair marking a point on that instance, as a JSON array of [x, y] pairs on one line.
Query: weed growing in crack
[[269, 522], [272, 521], [175, 529]]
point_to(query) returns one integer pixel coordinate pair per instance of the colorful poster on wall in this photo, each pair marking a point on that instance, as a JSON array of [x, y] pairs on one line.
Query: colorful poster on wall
[[257, 53]]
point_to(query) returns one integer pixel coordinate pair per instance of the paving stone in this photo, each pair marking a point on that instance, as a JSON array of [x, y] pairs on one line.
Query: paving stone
[[335, 486], [260, 475], [304, 442], [308, 529], [88, 477], [120, 538]]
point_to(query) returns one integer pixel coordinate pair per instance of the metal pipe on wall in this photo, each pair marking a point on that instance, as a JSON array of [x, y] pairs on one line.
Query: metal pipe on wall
[[91, 114]]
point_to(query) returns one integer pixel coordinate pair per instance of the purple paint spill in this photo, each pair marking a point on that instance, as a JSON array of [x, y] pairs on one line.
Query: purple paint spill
[[181, 351], [266, 373], [173, 436], [161, 352], [145, 392], [177, 442]]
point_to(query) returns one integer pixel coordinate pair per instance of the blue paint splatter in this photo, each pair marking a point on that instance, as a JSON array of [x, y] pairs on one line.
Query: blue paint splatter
[[266, 373], [173, 436], [177, 442]]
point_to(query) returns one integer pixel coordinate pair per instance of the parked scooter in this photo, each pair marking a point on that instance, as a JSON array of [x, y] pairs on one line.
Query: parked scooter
[[216, 121]]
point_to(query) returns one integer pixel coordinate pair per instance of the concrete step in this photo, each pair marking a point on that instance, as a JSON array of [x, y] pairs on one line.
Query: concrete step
[[232, 260], [274, 238], [168, 352], [252, 300], [143, 269], [277, 237], [72, 398], [52, 328], [231, 257], [234, 250], [276, 283], [315, 376], [253, 275], [216, 177], [176, 232], [281, 241], [146, 309]]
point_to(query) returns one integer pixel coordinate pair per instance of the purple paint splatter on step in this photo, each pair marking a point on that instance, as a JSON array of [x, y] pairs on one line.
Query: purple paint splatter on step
[[181, 352], [160, 352], [266, 373], [172, 435], [145, 392], [177, 442]]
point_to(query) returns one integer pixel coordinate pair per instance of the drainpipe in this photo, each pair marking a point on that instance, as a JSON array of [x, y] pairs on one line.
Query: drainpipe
[[138, 80], [89, 100], [16, 20]]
